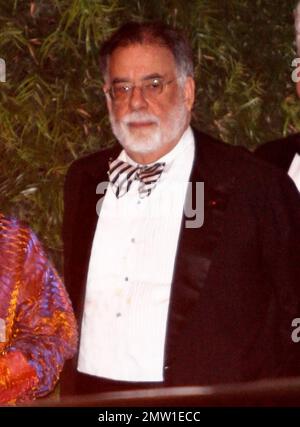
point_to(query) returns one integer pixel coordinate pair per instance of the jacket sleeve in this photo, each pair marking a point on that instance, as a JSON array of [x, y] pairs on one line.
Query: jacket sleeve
[[72, 190], [44, 332], [280, 237]]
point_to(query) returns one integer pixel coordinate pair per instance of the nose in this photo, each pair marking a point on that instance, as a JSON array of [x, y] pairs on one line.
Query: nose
[[137, 100]]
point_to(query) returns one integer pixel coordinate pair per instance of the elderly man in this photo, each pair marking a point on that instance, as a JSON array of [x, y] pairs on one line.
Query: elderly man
[[285, 152], [163, 300], [37, 326]]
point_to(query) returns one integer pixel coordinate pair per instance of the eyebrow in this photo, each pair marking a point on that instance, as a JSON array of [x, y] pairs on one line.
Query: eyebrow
[[147, 77], [152, 76]]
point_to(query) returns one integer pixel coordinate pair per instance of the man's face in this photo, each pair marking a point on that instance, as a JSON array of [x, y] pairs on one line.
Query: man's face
[[142, 121]]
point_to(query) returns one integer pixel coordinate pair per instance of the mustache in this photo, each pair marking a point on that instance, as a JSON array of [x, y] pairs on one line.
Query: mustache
[[140, 117]]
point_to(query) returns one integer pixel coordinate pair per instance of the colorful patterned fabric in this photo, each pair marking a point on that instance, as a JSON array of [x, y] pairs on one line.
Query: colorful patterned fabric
[[38, 328]]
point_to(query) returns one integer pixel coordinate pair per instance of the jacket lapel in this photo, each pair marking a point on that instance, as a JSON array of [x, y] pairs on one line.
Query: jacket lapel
[[196, 246]]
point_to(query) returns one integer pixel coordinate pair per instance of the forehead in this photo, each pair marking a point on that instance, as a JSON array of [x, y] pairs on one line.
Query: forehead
[[140, 60]]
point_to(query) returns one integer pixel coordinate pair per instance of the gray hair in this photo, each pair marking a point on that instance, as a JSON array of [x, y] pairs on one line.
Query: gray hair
[[150, 33]]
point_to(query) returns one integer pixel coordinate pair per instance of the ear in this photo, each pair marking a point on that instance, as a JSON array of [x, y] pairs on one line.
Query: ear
[[189, 92], [105, 88], [298, 88]]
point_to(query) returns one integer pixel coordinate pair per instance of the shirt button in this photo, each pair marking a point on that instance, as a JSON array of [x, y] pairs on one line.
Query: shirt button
[[118, 314], [126, 279], [138, 202], [133, 240]]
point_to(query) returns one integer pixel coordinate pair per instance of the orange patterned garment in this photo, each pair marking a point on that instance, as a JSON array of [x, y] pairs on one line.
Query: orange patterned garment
[[37, 326]]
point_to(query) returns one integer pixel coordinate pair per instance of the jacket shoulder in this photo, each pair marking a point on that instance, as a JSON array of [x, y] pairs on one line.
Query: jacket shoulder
[[225, 163], [279, 145], [221, 159], [280, 152]]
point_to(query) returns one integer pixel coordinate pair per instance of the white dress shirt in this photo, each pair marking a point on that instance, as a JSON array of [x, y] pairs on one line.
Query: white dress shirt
[[294, 170], [130, 274]]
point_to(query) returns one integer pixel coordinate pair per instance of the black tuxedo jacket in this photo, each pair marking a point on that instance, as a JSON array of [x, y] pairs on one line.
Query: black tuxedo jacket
[[235, 288], [281, 151]]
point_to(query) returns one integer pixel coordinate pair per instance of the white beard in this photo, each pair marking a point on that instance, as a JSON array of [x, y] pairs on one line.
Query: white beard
[[153, 138]]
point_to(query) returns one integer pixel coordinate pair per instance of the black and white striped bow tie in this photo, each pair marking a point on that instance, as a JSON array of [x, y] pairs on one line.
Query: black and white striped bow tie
[[122, 175]]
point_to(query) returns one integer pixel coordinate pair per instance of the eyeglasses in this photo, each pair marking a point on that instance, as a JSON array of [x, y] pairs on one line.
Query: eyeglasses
[[151, 89]]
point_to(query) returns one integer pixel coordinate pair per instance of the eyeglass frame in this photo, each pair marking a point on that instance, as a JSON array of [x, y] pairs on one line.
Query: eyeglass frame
[[132, 86]]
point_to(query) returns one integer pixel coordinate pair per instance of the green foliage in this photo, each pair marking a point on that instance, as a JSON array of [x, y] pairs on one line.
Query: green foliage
[[52, 109]]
